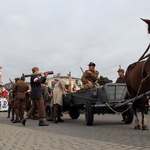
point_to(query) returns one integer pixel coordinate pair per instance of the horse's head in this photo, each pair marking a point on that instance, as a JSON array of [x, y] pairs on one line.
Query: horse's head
[[148, 23]]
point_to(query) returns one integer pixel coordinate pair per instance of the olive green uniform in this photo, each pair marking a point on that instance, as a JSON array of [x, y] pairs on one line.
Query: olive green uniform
[[20, 90], [11, 105], [92, 77], [121, 80], [44, 89]]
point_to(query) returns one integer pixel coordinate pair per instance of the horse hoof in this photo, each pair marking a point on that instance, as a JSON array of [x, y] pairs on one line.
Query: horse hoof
[[137, 127], [145, 128]]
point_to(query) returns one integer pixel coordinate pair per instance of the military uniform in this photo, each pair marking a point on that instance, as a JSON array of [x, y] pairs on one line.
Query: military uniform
[[20, 90], [36, 96], [91, 76], [45, 93], [11, 105], [28, 101], [37, 100], [122, 78]]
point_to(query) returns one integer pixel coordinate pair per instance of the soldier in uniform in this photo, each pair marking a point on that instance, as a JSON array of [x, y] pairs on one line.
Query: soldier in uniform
[[11, 104], [44, 93], [36, 97], [90, 76], [28, 101], [121, 78], [12, 100], [20, 89]]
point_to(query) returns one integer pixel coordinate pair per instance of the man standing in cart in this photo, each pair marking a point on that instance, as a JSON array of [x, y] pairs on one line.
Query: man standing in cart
[[121, 78], [90, 76]]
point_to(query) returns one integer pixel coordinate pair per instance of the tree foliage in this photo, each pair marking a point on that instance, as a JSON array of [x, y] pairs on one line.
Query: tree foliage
[[103, 80]]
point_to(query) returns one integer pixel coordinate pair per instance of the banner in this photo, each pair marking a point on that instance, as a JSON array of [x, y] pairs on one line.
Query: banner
[[3, 104]]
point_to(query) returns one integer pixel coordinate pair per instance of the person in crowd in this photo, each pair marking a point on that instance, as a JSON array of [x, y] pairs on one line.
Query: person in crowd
[[12, 100], [20, 89], [44, 93], [90, 76], [11, 104], [28, 101], [57, 99], [121, 78], [36, 97]]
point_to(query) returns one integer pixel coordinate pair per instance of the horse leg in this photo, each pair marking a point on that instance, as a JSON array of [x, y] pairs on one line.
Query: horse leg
[[137, 123], [144, 125]]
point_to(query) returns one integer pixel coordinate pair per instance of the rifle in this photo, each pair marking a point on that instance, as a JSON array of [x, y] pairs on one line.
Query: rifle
[[11, 81], [81, 69], [29, 75]]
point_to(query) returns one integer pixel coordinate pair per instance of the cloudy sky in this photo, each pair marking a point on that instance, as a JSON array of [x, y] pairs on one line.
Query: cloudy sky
[[61, 35]]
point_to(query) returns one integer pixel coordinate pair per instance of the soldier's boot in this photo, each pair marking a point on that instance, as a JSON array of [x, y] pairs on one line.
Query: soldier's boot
[[55, 113], [23, 121], [43, 123], [9, 110], [13, 114], [21, 114]]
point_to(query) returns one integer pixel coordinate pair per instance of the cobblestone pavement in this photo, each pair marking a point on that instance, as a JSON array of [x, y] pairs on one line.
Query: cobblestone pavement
[[108, 132]]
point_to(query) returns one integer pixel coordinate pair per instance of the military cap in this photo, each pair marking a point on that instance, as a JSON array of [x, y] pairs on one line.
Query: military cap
[[22, 78], [120, 70], [91, 64], [16, 79]]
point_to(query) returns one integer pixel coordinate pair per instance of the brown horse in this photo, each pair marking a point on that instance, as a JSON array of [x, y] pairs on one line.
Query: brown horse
[[138, 82]]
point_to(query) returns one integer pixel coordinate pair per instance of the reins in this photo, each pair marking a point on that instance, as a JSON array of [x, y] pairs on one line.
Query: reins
[[139, 89], [133, 100], [143, 56], [117, 111]]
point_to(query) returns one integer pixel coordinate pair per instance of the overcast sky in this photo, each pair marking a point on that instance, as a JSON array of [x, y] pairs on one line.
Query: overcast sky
[[61, 35]]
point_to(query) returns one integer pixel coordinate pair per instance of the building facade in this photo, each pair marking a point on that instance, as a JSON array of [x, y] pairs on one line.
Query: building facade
[[75, 82]]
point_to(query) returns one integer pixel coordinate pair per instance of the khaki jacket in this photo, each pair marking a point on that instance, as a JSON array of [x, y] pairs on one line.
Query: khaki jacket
[[121, 80], [92, 77], [58, 93], [20, 88]]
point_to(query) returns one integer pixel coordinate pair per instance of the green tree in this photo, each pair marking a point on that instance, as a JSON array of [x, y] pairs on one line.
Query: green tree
[[103, 80]]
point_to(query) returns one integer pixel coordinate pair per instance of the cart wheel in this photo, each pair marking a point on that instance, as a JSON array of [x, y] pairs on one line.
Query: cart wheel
[[128, 116], [48, 110], [74, 113], [89, 114]]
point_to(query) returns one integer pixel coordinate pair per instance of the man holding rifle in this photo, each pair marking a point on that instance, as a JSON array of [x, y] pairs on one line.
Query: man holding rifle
[[90, 76], [36, 96]]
